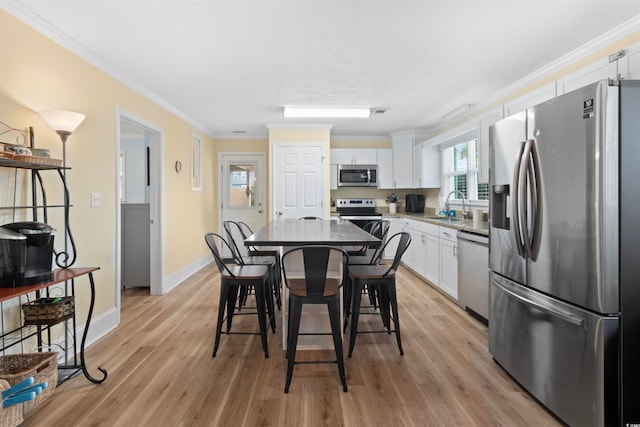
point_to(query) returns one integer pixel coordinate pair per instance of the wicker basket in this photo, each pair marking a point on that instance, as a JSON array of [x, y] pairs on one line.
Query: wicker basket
[[11, 416], [39, 160], [41, 366], [48, 311], [9, 156]]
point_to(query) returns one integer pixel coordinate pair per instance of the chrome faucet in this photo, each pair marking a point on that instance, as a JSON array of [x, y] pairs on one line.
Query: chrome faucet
[[446, 204]]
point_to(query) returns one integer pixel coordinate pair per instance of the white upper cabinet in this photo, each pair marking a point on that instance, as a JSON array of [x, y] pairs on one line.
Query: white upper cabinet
[[484, 122], [599, 70], [354, 156], [629, 64], [417, 166], [431, 161], [403, 160], [385, 168], [334, 176], [535, 97]]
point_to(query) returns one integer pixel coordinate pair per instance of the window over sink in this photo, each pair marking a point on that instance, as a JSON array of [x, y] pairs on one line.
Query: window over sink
[[460, 168]]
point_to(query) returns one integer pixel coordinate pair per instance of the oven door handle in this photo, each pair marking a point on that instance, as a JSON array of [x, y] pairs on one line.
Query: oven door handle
[[361, 217]]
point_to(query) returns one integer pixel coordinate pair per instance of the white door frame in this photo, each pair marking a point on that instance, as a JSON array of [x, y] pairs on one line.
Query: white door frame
[[262, 176], [156, 203], [272, 172]]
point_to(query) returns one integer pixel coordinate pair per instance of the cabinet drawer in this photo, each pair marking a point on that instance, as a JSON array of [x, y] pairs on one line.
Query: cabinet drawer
[[448, 233], [425, 227]]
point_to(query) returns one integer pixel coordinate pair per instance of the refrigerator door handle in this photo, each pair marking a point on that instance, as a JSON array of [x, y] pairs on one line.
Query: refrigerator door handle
[[567, 317], [536, 203], [529, 179], [515, 200]]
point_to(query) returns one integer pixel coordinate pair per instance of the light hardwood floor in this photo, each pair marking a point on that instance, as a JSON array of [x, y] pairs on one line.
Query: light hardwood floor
[[161, 372]]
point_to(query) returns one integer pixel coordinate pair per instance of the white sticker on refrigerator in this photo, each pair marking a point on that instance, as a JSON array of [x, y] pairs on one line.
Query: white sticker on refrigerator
[[587, 109]]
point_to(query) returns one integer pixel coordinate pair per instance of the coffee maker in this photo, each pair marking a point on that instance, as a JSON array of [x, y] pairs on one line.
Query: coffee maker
[[414, 203], [26, 254]]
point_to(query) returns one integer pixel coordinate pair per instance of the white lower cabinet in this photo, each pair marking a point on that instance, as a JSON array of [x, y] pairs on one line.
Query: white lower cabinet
[[432, 254], [394, 227], [449, 261], [432, 269]]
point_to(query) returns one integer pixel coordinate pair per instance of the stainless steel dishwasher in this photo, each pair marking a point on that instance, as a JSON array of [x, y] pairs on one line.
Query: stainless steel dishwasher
[[473, 273]]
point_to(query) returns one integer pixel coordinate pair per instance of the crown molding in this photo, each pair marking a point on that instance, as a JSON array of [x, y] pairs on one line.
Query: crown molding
[[600, 42]]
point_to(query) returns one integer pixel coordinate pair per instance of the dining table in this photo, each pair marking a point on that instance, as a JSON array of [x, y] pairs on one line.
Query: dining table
[[288, 233]]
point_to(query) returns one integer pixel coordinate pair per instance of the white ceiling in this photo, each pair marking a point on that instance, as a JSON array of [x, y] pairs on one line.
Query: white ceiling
[[231, 65]]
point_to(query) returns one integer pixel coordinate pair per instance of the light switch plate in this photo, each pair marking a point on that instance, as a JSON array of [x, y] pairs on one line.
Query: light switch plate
[[96, 200]]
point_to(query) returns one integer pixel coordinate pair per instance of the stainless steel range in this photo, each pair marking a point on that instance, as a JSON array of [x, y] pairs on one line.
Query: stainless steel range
[[358, 211]]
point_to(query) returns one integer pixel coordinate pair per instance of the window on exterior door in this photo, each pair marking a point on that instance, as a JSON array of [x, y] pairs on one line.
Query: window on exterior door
[[242, 185], [460, 172]]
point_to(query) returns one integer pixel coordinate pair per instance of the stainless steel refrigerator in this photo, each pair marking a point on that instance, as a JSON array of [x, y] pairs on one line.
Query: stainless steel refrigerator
[[564, 253]]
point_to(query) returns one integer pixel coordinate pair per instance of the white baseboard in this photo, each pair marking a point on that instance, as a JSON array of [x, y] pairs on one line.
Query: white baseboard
[[181, 275]]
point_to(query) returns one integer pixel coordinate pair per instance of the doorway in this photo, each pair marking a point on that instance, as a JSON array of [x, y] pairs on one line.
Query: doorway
[[242, 189], [139, 248]]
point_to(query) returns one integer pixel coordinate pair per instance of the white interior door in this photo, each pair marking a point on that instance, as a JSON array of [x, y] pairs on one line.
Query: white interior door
[[298, 180], [242, 189]]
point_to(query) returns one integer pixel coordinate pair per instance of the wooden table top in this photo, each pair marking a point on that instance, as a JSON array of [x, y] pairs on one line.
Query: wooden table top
[[293, 232]]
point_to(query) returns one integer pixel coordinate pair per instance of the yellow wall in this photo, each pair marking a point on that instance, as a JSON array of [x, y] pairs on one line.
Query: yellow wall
[[36, 74]]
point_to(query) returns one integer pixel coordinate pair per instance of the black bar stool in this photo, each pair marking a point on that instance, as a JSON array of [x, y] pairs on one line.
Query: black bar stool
[[382, 279], [310, 280], [234, 231], [233, 278]]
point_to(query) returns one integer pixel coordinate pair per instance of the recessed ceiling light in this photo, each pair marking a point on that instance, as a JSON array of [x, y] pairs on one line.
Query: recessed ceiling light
[[328, 112]]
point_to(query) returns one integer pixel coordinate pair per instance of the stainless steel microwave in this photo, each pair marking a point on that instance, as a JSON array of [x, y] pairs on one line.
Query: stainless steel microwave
[[357, 175]]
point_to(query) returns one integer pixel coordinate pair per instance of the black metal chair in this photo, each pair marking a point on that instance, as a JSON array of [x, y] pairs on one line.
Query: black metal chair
[[232, 279], [234, 232], [381, 278], [363, 254], [366, 255], [310, 280], [270, 251]]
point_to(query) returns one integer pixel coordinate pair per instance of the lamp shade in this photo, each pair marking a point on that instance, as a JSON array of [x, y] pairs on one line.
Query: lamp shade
[[65, 121]]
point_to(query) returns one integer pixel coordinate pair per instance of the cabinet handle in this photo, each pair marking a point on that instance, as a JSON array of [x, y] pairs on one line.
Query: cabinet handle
[[455, 252]]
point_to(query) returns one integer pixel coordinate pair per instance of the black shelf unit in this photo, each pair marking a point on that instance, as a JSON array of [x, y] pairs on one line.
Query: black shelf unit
[[75, 362]]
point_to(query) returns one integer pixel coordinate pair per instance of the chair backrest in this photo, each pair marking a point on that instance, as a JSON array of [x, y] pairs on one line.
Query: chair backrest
[[246, 232], [314, 264], [379, 229], [404, 240], [310, 218], [211, 239], [235, 234]]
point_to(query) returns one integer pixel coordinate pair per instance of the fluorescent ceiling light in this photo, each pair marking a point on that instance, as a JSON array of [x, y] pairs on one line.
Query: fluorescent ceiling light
[[316, 112]]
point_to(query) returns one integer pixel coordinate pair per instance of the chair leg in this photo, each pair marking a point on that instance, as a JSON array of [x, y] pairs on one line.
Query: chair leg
[[347, 292], [224, 295], [295, 311], [260, 289], [269, 299], [355, 313], [396, 320], [276, 288], [334, 317], [232, 297], [383, 299]]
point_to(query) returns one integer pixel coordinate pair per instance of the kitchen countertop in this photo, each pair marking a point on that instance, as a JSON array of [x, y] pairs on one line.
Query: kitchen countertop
[[463, 225]]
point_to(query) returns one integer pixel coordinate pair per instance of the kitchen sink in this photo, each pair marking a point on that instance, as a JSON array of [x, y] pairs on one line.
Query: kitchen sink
[[444, 218]]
